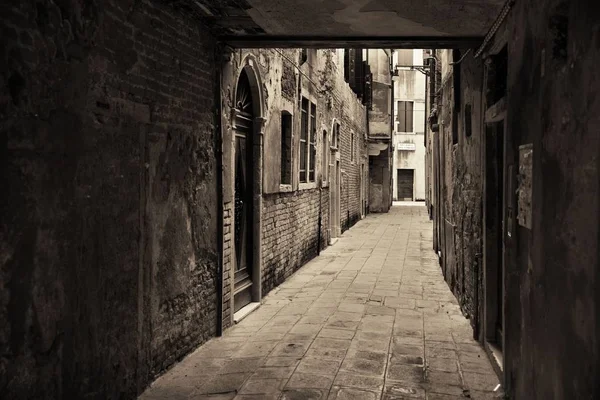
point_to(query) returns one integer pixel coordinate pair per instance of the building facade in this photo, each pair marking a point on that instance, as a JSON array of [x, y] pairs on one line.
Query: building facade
[[380, 129], [295, 166], [408, 171]]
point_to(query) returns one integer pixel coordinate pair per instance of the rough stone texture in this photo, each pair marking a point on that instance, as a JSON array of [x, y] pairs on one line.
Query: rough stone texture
[[108, 253], [463, 185]]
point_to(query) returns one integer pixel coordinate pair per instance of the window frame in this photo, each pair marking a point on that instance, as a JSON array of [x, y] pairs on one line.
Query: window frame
[[289, 117], [308, 126], [412, 116]]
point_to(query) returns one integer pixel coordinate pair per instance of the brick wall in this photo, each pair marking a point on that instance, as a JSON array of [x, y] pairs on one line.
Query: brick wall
[[290, 215], [108, 247], [290, 233]]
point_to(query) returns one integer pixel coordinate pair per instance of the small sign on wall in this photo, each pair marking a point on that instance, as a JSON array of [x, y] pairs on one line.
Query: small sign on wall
[[407, 146], [524, 190]]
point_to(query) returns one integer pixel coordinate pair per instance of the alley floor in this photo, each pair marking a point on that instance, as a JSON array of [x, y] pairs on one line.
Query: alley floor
[[370, 318]]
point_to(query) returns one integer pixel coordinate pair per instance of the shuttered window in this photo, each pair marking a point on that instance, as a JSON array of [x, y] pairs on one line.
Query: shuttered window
[[405, 116]]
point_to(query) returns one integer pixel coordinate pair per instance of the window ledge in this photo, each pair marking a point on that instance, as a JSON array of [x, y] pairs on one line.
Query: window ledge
[[307, 186], [285, 188]]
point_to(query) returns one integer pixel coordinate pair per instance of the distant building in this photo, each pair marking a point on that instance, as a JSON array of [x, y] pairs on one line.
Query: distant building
[[408, 172]]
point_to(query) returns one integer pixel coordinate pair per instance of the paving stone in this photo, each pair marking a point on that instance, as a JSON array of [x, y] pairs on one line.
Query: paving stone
[[407, 349], [319, 366], [357, 352], [405, 373], [224, 383], [313, 381], [303, 394], [262, 386], [400, 390], [287, 349], [346, 393], [263, 396], [446, 378], [475, 362], [336, 333], [326, 353], [256, 349], [331, 343], [440, 388], [274, 372], [282, 361], [364, 367], [442, 364], [481, 382], [380, 310], [351, 379]]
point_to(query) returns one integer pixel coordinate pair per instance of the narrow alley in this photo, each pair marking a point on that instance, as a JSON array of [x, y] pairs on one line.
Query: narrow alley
[[369, 318]]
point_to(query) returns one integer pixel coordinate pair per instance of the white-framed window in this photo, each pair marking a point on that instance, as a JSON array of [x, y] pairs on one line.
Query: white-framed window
[[308, 150], [405, 116]]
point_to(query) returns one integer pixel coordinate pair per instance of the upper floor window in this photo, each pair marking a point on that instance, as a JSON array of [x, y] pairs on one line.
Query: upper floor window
[[286, 148], [405, 116], [307, 141], [335, 136]]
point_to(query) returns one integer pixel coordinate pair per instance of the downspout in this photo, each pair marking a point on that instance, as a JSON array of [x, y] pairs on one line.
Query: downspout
[[219, 181], [320, 221]]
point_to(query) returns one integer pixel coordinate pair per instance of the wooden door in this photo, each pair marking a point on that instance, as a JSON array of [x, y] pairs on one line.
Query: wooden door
[[405, 184], [243, 195]]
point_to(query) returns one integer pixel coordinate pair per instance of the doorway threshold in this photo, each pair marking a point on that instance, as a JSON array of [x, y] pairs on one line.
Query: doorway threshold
[[245, 311]]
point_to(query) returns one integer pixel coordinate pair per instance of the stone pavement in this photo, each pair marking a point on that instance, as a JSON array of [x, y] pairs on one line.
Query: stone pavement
[[371, 318]]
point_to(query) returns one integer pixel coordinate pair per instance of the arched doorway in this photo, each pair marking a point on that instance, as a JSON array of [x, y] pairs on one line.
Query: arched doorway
[[243, 193]]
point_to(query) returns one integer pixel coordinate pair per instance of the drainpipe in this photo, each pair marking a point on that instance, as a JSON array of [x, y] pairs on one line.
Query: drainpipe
[[478, 257], [219, 182], [320, 221]]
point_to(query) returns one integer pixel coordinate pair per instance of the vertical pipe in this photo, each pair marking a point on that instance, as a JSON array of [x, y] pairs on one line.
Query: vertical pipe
[[219, 182]]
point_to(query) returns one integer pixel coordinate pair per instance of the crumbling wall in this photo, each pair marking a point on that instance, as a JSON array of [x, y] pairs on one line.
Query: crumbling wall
[[552, 274], [463, 184], [108, 253]]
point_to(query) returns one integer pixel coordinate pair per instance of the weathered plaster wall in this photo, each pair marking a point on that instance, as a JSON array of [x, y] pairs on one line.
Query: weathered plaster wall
[[381, 111], [108, 252], [462, 185], [552, 288], [410, 86], [410, 159]]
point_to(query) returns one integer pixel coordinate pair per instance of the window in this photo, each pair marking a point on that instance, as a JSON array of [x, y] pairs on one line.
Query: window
[[351, 145], [307, 141], [286, 148], [313, 142], [335, 139], [324, 156], [405, 116]]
